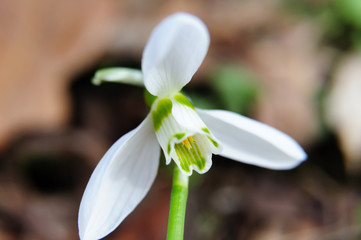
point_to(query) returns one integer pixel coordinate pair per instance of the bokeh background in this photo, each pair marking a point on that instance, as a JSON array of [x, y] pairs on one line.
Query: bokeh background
[[293, 64]]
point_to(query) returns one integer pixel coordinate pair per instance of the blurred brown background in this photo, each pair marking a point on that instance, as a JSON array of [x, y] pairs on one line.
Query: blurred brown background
[[294, 64]]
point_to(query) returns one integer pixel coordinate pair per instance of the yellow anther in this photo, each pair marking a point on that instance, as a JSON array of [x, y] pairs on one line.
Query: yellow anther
[[187, 142]]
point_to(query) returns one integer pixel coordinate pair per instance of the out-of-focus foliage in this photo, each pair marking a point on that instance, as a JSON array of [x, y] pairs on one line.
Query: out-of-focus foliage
[[232, 87], [236, 87], [349, 11]]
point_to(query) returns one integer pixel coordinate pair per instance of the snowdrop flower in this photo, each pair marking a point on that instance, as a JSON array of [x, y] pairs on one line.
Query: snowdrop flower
[[186, 135]]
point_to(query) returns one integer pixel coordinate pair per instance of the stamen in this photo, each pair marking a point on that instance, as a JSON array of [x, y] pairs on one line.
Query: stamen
[[190, 154], [187, 142]]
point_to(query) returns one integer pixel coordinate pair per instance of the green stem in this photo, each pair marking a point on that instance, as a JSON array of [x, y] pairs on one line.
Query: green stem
[[178, 202]]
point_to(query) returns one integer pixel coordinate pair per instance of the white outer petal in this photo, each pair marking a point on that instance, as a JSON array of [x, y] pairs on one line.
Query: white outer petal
[[174, 52], [252, 142], [120, 181]]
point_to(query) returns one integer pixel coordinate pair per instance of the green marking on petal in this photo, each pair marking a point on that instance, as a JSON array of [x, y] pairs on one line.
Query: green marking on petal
[[183, 158], [206, 130], [216, 144], [189, 154], [201, 162], [169, 148], [163, 109], [183, 100], [179, 136]]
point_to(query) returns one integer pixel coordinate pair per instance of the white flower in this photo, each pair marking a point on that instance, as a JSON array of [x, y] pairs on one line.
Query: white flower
[[189, 136]]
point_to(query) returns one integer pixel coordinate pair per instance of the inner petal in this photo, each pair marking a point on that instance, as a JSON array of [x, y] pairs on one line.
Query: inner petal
[[182, 135], [191, 154]]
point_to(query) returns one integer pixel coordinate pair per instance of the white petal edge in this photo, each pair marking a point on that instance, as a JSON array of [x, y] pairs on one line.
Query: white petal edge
[[252, 142], [120, 181], [174, 52]]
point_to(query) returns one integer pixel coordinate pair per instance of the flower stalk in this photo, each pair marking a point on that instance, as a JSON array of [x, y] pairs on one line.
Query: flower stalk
[[178, 203]]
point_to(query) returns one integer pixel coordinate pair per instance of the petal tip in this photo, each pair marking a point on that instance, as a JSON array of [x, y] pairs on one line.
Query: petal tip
[[174, 52]]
